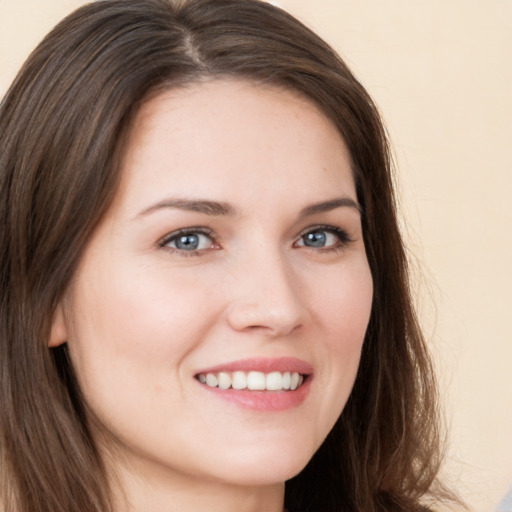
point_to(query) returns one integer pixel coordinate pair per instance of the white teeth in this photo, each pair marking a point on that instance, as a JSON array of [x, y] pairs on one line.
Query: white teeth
[[239, 380], [294, 381], [254, 381], [274, 381], [211, 380], [224, 380]]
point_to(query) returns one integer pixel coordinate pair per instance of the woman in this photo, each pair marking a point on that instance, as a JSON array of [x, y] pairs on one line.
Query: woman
[[204, 289]]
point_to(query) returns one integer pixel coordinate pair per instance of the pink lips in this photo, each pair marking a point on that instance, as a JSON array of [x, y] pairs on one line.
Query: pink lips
[[263, 400], [266, 365]]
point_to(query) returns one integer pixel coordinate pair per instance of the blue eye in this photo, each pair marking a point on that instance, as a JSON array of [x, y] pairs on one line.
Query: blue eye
[[323, 238], [315, 239], [188, 241]]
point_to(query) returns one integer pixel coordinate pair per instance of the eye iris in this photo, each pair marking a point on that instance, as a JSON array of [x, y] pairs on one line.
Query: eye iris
[[187, 242], [315, 239]]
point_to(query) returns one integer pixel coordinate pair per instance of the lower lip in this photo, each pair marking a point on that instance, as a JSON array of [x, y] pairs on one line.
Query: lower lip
[[263, 400]]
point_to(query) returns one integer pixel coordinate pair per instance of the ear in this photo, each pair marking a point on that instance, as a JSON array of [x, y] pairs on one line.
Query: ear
[[58, 334]]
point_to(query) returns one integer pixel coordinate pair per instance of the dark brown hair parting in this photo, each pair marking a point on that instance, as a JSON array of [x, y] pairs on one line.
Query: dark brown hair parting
[[63, 126]]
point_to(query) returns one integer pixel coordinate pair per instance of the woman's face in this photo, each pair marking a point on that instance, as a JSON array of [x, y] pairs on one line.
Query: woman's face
[[232, 256]]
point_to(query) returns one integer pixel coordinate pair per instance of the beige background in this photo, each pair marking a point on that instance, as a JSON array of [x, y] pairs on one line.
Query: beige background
[[441, 71]]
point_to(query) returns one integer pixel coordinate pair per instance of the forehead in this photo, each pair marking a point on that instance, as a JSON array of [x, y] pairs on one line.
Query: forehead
[[227, 137]]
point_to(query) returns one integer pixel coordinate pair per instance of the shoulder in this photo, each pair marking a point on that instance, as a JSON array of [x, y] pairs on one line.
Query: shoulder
[[506, 503]]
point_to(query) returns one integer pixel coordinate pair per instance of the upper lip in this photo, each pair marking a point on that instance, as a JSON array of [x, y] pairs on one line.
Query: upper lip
[[262, 364]]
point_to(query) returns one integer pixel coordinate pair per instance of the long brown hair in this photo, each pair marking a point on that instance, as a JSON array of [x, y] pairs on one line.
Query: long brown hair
[[63, 126]]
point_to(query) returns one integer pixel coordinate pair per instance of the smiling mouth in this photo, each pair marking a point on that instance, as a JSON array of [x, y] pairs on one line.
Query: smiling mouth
[[253, 380]]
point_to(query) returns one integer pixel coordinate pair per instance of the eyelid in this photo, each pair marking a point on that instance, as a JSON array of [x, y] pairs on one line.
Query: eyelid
[[342, 235], [195, 230]]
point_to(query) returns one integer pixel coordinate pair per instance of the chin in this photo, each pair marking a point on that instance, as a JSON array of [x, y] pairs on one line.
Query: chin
[[263, 467]]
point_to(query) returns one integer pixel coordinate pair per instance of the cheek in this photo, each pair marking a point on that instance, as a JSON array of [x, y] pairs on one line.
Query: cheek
[[343, 311], [343, 305], [134, 325]]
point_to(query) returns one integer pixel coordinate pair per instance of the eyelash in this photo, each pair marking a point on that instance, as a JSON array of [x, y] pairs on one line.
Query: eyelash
[[343, 239], [184, 232]]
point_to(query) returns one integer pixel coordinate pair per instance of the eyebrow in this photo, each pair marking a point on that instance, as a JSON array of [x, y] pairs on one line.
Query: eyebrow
[[332, 204], [220, 208], [192, 205]]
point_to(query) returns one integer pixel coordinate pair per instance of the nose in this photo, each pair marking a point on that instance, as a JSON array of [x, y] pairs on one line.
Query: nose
[[267, 298]]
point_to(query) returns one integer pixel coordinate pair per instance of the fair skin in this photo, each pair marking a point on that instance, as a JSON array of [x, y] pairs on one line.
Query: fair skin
[[270, 275]]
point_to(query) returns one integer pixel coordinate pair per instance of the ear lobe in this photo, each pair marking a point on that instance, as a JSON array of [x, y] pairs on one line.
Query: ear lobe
[[58, 334]]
